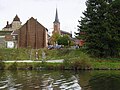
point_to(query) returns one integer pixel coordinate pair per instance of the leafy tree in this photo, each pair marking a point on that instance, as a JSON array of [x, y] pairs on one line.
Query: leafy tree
[[54, 38], [99, 28], [64, 40]]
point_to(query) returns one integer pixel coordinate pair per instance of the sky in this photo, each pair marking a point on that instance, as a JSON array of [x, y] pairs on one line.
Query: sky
[[69, 12]]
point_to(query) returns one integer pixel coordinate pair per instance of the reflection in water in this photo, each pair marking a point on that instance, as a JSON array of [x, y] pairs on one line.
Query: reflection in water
[[38, 80], [105, 81], [59, 80]]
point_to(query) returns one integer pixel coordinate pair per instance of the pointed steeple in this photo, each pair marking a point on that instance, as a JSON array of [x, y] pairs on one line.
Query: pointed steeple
[[56, 17], [16, 18]]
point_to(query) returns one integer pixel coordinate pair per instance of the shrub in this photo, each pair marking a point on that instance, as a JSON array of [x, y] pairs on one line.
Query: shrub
[[2, 65], [81, 62], [12, 66]]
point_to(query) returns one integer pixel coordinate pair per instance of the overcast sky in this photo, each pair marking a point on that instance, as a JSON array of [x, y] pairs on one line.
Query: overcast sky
[[69, 11]]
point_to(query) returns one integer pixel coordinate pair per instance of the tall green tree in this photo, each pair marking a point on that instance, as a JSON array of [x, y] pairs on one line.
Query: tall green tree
[[96, 26], [113, 27]]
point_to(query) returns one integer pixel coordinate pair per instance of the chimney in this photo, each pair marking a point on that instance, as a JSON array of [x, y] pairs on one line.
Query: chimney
[[7, 23]]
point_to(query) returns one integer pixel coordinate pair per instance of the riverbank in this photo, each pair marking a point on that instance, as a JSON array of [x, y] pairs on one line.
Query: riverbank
[[73, 60], [60, 66]]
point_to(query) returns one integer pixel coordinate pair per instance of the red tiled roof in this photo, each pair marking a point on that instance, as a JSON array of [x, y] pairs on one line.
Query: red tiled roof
[[8, 38]]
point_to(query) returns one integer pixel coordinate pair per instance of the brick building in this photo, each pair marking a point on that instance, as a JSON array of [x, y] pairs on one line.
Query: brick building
[[32, 34]]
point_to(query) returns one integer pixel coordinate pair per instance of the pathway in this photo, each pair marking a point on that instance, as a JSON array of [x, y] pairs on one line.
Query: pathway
[[30, 61]]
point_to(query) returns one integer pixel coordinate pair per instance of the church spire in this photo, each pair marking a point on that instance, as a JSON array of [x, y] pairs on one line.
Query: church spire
[[56, 17], [16, 18]]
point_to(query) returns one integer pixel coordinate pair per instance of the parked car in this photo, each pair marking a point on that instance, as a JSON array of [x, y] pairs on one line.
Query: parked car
[[50, 47], [55, 47]]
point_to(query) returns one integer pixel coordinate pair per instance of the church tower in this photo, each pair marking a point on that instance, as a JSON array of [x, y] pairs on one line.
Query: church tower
[[56, 24], [16, 24]]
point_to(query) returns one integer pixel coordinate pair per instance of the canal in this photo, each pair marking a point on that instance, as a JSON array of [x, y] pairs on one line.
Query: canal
[[59, 80]]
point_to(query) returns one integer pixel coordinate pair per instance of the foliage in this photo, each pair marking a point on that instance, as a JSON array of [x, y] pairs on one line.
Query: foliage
[[12, 66], [73, 59], [64, 40], [2, 65], [54, 38], [83, 61], [101, 29], [13, 54]]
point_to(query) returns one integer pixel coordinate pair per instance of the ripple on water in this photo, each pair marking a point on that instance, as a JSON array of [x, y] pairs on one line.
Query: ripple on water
[[3, 87]]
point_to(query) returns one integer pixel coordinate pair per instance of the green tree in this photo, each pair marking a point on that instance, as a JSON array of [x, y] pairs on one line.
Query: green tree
[[54, 38], [96, 26], [113, 19], [64, 40]]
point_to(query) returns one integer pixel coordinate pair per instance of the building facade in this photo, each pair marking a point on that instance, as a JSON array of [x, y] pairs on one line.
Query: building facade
[[32, 34], [6, 38], [15, 25]]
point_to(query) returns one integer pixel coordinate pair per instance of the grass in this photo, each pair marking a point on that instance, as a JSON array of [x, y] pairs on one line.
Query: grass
[[105, 65], [73, 59]]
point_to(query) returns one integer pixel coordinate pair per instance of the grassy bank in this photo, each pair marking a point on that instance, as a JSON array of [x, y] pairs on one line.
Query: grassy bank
[[73, 60], [62, 66]]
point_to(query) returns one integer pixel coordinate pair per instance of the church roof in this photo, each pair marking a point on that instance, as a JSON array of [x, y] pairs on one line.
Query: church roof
[[16, 18], [56, 17]]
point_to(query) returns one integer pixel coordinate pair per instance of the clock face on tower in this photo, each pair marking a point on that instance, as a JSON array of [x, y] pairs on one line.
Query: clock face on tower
[[55, 23]]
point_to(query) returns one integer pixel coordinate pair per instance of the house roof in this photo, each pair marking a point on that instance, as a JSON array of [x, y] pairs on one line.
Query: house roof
[[17, 31], [5, 33], [16, 18], [8, 25], [8, 38], [64, 32]]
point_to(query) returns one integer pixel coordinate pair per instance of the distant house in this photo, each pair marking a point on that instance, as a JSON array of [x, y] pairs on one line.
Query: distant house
[[32, 34], [66, 33], [6, 39], [79, 42], [15, 25]]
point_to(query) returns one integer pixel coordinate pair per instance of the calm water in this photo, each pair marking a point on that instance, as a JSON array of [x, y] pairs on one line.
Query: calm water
[[59, 80]]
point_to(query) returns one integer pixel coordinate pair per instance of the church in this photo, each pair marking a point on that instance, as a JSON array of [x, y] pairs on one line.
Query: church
[[57, 31], [30, 35], [56, 26]]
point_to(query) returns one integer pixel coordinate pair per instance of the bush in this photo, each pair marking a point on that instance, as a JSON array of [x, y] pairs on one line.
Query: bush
[[12, 66], [2, 65], [81, 62]]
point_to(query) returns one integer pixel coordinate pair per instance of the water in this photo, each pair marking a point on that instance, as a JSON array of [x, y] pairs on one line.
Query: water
[[59, 80]]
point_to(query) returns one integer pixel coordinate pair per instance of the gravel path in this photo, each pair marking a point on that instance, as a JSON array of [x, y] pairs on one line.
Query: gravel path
[[30, 61]]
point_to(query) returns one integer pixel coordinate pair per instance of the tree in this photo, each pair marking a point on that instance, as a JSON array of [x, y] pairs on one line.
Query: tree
[[96, 26], [113, 24], [54, 38], [64, 40]]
